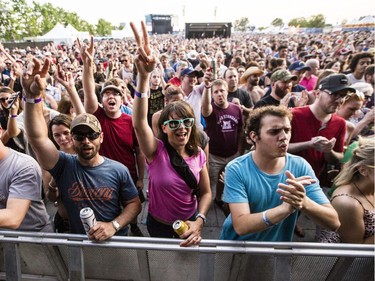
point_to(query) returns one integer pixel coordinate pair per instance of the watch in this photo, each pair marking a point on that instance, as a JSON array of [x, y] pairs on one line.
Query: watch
[[203, 217], [116, 225]]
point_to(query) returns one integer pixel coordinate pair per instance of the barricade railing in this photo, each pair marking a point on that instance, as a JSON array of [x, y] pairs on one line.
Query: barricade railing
[[51, 256]]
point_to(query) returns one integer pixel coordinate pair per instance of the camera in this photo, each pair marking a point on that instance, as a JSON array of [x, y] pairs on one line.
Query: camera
[[13, 99]]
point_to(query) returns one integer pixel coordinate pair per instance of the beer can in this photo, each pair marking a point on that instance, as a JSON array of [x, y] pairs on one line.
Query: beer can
[[180, 227], [88, 218], [214, 69]]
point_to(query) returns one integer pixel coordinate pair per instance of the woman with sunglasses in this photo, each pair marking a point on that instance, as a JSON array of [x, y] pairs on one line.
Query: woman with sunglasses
[[171, 198], [353, 198]]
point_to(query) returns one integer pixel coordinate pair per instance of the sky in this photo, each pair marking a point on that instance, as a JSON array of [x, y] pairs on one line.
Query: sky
[[260, 13]]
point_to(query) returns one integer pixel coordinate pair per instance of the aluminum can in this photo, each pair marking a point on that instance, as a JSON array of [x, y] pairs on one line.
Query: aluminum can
[[180, 227], [214, 69], [88, 218]]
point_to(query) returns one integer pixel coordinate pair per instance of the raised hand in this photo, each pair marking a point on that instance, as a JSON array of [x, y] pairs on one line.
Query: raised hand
[[64, 78], [87, 52], [145, 59], [33, 79]]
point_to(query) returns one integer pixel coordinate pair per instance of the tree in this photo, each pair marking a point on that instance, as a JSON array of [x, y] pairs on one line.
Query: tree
[[241, 25], [298, 22], [14, 17], [278, 22], [103, 28], [317, 21]]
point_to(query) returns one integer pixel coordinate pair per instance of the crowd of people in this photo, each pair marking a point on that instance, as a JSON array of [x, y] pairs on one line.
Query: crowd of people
[[265, 126]]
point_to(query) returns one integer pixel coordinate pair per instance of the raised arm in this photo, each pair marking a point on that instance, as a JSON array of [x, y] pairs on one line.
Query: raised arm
[[206, 96], [91, 101], [66, 79], [34, 85], [145, 63]]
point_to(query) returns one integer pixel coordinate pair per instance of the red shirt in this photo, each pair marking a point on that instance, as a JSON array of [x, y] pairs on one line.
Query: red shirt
[[119, 140], [305, 126]]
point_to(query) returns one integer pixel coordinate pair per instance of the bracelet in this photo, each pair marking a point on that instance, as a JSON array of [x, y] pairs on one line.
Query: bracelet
[[140, 95], [13, 116], [266, 220], [207, 87], [37, 100]]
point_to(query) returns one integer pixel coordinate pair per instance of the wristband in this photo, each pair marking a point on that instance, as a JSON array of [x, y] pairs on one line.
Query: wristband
[[207, 87], [37, 100], [13, 116], [140, 95], [266, 220]]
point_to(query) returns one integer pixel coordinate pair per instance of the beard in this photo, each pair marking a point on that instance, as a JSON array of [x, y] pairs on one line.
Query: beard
[[254, 82], [86, 154], [280, 92]]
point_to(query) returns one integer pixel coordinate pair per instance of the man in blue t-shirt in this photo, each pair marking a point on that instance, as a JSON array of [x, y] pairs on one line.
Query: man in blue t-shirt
[[86, 179], [267, 187]]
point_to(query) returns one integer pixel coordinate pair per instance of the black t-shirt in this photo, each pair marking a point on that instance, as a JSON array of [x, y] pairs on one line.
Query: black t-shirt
[[243, 96]]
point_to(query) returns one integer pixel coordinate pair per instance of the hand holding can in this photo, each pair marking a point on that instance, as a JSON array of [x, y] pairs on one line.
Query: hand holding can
[[88, 218]]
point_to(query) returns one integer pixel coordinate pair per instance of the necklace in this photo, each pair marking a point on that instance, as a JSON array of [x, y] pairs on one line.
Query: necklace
[[363, 194]]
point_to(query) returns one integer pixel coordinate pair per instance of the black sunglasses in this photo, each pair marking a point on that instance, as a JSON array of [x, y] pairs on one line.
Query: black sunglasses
[[91, 136]]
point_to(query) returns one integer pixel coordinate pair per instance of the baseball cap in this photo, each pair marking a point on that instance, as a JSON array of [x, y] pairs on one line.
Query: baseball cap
[[298, 65], [283, 75], [250, 71], [86, 119], [335, 83], [111, 87], [189, 71]]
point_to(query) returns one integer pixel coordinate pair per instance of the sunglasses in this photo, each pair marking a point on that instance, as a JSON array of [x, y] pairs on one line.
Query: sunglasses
[[91, 136], [336, 95], [175, 124]]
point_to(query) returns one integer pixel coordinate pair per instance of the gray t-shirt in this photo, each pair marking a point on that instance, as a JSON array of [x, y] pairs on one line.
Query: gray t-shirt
[[20, 177]]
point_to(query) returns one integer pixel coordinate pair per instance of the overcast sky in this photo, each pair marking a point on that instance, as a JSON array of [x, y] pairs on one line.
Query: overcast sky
[[260, 13]]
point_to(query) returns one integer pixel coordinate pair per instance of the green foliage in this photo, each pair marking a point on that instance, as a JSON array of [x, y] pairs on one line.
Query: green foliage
[[241, 25], [277, 22], [18, 20], [103, 28], [317, 21]]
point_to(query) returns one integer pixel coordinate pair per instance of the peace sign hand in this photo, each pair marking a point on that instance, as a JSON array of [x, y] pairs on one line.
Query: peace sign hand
[[145, 59], [34, 78]]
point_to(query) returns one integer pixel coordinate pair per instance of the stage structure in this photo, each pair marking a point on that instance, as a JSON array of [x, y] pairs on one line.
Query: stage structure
[[208, 30], [159, 24]]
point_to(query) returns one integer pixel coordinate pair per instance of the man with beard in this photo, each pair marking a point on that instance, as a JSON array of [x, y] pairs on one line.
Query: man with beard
[[267, 187], [318, 133], [231, 77], [86, 179], [281, 85], [250, 81], [225, 130]]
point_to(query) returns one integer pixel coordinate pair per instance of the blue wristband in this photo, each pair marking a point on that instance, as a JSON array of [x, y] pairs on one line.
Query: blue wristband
[[140, 95], [266, 220]]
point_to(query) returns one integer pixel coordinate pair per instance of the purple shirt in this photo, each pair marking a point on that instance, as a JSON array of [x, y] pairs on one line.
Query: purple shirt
[[170, 198]]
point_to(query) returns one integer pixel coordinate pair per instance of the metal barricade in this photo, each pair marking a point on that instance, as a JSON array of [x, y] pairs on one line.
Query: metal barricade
[[50, 256]]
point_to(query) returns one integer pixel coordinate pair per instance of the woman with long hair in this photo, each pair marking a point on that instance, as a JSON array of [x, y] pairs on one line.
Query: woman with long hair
[[353, 198], [178, 179]]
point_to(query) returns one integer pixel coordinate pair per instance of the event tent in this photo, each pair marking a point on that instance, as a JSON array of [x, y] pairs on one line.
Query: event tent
[[60, 34]]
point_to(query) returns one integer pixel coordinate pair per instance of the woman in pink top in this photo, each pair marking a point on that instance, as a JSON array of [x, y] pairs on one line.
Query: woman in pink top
[[172, 194]]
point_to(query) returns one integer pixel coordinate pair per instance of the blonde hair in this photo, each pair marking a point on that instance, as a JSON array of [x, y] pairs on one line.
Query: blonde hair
[[362, 155]]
